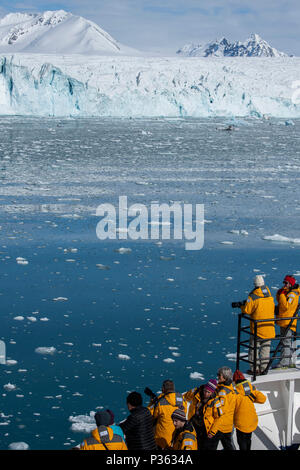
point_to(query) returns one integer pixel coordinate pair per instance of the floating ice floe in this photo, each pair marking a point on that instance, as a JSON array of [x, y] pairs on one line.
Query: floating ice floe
[[226, 243], [9, 387], [102, 266], [196, 376], [232, 356], [19, 318], [60, 299], [123, 250], [169, 360], [18, 446], [83, 423], [239, 232], [123, 357], [281, 238], [45, 350], [11, 362], [21, 260]]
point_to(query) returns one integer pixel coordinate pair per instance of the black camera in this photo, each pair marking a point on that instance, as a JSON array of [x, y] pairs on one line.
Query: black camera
[[238, 304], [149, 392]]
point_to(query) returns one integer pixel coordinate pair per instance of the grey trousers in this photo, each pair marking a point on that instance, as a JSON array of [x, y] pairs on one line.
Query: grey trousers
[[262, 353], [287, 358]]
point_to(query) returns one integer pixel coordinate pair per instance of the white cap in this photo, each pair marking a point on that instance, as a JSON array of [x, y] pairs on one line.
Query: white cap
[[259, 281]]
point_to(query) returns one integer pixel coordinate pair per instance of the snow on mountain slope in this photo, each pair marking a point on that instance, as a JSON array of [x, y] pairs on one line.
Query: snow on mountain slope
[[50, 85], [255, 46], [56, 32]]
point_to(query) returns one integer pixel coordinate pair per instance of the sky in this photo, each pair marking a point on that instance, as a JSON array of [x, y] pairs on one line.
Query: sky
[[163, 26]]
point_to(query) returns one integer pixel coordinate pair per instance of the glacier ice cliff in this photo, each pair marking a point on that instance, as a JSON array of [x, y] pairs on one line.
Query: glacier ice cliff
[[75, 85]]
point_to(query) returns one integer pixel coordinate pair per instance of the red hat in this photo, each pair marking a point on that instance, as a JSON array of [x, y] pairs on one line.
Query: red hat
[[238, 376], [290, 279]]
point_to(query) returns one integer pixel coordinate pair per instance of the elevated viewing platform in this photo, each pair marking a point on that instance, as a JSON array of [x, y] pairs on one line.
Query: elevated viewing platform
[[279, 417]]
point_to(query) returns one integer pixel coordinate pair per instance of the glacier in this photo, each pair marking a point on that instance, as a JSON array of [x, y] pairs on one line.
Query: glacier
[[85, 86]]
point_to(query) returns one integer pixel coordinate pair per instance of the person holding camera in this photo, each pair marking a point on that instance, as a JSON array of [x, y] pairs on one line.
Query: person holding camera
[[288, 305], [161, 408], [260, 305]]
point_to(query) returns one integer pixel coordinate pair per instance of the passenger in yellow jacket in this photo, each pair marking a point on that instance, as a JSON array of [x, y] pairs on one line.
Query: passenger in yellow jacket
[[222, 426], [184, 436], [161, 409], [245, 416], [194, 399], [199, 415], [288, 301], [103, 438], [260, 306]]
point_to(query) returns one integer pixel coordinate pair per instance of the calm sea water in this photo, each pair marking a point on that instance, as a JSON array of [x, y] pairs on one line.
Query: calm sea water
[[123, 321]]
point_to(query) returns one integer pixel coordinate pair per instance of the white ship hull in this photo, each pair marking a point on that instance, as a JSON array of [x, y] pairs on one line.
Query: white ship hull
[[279, 417]]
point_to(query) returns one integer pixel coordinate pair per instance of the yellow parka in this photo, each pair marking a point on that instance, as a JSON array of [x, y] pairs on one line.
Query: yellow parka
[[186, 439], [194, 399], [103, 438], [213, 415], [227, 396], [287, 305], [161, 410], [245, 416], [260, 305]]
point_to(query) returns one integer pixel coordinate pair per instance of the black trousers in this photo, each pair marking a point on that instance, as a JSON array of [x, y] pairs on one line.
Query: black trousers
[[225, 438], [244, 440]]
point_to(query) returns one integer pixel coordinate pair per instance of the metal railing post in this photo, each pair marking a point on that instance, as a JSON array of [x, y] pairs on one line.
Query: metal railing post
[[238, 342], [255, 351]]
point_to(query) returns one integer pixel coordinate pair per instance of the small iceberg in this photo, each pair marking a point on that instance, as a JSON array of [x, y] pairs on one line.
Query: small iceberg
[[18, 446], [282, 239], [21, 260], [196, 376], [83, 423], [45, 350], [9, 387], [122, 250], [123, 357]]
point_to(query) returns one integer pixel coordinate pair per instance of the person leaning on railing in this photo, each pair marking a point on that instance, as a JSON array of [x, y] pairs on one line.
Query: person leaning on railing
[[260, 306], [288, 301]]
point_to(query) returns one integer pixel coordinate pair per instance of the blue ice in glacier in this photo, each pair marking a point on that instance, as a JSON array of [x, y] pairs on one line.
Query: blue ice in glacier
[[50, 85]]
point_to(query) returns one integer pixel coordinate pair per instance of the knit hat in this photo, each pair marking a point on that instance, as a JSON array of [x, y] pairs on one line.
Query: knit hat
[[259, 281], [290, 279], [211, 385], [238, 376], [102, 418], [179, 414], [112, 417]]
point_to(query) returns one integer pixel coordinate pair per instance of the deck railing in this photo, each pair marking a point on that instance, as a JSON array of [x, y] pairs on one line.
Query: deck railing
[[243, 341]]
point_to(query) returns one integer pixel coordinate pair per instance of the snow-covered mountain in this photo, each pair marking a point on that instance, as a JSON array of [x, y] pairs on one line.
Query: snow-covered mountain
[[56, 32], [255, 46]]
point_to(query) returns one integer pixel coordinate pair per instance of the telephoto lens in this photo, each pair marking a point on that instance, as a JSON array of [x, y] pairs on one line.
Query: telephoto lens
[[238, 304]]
